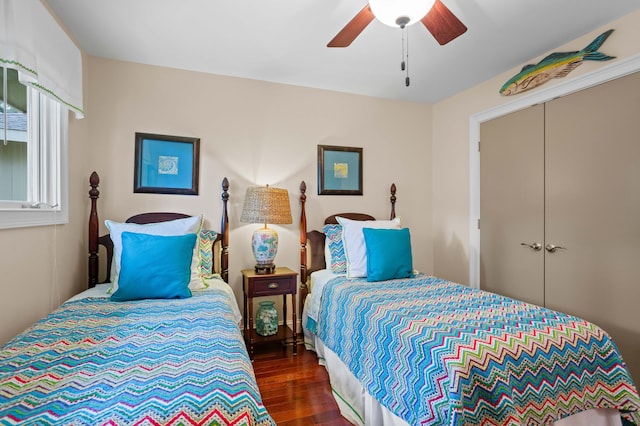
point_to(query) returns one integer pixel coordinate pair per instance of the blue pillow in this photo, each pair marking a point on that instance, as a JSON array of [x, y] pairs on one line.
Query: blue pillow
[[154, 267], [388, 253]]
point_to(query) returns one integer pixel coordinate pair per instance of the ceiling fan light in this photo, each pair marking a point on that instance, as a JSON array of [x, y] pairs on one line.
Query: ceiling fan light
[[388, 11]]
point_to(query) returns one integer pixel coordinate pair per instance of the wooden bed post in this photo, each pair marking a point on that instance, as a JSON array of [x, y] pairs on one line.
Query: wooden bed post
[[94, 193], [304, 290], [393, 201], [224, 230]]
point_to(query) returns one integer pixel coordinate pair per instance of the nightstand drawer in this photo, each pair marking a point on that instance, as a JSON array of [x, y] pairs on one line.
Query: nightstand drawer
[[268, 286]]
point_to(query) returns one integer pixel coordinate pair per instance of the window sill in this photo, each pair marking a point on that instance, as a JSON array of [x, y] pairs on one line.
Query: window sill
[[22, 218]]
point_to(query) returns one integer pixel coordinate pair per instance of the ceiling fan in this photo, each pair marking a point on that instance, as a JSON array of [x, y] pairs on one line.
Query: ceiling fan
[[434, 15]]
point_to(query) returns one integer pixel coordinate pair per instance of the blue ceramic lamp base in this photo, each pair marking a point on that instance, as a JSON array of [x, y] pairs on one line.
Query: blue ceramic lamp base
[[265, 246]]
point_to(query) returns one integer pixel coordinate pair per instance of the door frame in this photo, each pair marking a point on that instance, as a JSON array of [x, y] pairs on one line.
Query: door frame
[[601, 75]]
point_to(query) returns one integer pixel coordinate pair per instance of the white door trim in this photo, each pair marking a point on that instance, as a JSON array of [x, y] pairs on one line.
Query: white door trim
[[601, 75]]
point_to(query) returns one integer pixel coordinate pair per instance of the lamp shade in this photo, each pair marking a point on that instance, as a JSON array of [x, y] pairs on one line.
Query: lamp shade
[[266, 205], [388, 11]]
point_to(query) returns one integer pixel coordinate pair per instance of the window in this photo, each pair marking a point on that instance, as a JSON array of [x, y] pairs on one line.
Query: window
[[33, 156]]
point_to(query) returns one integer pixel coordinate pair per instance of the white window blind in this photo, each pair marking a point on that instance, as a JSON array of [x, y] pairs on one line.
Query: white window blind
[[32, 42]]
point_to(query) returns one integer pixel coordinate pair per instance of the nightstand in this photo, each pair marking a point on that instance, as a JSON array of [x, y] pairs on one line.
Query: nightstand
[[283, 281]]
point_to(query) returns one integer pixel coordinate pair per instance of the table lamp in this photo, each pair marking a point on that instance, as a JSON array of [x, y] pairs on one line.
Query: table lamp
[[266, 204]]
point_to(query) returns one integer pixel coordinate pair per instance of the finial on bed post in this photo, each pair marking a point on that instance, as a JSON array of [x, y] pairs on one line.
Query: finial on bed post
[[94, 193], [224, 230], [393, 201], [303, 243]]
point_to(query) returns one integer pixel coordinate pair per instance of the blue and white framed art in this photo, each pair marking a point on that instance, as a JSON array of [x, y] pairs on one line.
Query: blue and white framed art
[[339, 170], [166, 164]]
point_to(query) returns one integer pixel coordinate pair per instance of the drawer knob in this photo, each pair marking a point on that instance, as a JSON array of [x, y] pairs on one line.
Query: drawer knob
[[273, 285]]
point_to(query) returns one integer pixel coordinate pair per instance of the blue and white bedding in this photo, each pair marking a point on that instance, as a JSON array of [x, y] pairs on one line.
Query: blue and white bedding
[[434, 352], [154, 361]]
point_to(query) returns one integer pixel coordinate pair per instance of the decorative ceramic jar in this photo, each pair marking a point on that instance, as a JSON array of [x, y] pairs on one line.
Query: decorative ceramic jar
[[267, 319], [265, 246]]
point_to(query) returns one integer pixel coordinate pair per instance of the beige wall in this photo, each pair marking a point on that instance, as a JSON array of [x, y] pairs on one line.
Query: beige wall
[[451, 117], [257, 133]]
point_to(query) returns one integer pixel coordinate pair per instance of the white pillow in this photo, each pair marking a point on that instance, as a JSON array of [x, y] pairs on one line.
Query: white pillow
[[189, 225], [355, 249]]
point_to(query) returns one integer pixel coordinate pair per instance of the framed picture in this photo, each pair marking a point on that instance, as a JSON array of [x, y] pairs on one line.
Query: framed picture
[[339, 170], [166, 164]]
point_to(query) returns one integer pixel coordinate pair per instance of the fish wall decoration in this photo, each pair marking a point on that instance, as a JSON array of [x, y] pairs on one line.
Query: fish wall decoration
[[556, 65]]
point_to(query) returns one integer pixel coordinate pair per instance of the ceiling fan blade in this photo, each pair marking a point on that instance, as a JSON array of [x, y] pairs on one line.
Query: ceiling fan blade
[[443, 24], [353, 28]]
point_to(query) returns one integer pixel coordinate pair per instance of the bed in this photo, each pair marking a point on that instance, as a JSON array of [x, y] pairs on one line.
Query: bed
[[404, 348], [173, 360]]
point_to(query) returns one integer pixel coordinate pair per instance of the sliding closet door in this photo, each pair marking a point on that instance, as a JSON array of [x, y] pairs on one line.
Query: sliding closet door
[[593, 210], [512, 205]]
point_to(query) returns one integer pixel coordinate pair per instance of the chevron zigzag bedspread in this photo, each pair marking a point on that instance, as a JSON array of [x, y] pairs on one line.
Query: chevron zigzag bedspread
[[150, 362], [438, 353]]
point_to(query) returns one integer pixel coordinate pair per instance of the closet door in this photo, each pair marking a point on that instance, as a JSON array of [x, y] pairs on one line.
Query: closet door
[[512, 205], [593, 210]]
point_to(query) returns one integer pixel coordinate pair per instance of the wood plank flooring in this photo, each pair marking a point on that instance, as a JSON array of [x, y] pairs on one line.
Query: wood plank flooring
[[295, 389]]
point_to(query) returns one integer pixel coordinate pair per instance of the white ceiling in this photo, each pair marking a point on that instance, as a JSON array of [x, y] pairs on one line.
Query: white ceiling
[[285, 41]]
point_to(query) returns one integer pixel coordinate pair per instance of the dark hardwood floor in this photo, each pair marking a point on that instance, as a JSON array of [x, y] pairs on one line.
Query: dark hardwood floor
[[295, 389]]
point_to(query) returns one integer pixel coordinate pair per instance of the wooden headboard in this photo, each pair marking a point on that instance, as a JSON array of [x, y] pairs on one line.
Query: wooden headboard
[[312, 242], [95, 240]]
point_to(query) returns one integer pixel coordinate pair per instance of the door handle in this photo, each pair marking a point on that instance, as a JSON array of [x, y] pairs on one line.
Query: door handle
[[551, 248], [534, 246]]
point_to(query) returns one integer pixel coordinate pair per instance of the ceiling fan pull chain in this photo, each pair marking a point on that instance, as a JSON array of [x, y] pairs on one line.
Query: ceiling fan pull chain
[[406, 80], [402, 63]]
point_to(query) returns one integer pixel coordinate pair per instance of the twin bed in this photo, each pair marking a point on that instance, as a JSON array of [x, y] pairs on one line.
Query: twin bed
[[400, 347], [403, 348], [167, 360]]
